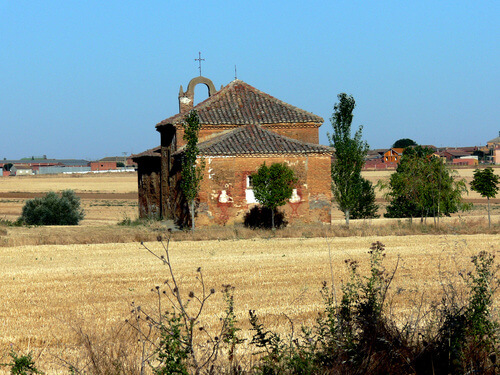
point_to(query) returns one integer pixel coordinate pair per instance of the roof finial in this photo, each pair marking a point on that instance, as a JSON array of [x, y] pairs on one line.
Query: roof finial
[[199, 59], [235, 74]]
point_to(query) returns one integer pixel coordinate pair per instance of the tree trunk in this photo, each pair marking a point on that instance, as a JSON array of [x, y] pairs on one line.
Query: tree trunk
[[489, 218], [272, 218], [191, 212], [347, 217]]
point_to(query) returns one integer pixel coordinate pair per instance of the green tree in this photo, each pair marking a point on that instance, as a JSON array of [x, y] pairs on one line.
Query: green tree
[[423, 186], [273, 186], [485, 182], [365, 207], [53, 209], [349, 156], [404, 142], [191, 172]]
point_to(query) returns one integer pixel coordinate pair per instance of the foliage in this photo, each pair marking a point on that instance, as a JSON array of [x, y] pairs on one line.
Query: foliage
[[360, 336], [184, 345], [467, 336], [120, 164], [349, 156], [486, 182], [53, 209], [403, 143], [261, 218], [423, 186], [22, 364], [191, 172], [365, 207], [273, 186]]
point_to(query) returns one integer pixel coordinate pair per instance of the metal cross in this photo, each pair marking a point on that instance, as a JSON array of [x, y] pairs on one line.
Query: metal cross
[[199, 59]]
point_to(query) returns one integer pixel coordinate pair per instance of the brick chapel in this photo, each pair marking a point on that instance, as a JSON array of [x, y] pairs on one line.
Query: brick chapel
[[241, 128]]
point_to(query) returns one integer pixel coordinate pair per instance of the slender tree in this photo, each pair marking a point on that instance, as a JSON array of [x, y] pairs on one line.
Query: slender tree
[[486, 182], [273, 186], [349, 156], [191, 172]]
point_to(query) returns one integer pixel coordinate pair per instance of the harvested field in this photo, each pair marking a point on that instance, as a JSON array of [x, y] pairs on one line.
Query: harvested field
[[106, 198], [50, 293]]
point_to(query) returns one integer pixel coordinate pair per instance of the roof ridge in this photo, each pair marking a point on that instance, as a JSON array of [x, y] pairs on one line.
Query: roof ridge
[[239, 103]]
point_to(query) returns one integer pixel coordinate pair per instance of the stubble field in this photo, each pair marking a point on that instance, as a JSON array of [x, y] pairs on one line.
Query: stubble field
[[52, 294]]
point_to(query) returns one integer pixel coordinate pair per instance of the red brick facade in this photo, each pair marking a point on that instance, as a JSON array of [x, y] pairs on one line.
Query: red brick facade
[[223, 197], [103, 165]]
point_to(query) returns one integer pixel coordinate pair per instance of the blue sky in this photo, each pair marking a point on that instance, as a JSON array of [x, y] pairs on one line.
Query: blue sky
[[91, 79]]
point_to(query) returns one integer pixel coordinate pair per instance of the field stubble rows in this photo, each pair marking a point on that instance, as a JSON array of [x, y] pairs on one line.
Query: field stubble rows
[[50, 292]]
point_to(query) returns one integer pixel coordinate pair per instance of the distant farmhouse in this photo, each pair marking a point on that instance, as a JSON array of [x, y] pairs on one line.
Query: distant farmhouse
[[241, 128]]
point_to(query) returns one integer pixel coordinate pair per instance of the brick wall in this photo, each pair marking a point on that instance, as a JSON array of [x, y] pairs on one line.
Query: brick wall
[[308, 133], [148, 174], [102, 165], [223, 196]]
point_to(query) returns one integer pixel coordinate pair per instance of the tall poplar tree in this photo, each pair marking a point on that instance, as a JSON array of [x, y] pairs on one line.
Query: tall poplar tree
[[191, 172], [350, 155]]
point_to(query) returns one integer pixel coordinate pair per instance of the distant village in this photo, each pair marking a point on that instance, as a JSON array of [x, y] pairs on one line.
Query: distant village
[[41, 165], [456, 156], [375, 159]]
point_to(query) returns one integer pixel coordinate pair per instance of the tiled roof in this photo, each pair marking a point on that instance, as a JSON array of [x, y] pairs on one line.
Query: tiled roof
[[238, 103], [458, 152], [152, 152], [255, 140]]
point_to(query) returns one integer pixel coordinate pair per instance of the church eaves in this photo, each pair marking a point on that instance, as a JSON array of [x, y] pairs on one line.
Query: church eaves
[[255, 140]]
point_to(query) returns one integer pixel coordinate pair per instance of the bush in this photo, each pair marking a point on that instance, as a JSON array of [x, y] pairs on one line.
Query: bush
[[22, 364], [53, 209], [260, 217]]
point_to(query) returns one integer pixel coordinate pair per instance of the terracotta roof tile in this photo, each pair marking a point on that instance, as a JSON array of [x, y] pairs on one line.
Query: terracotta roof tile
[[255, 140], [152, 152], [238, 103]]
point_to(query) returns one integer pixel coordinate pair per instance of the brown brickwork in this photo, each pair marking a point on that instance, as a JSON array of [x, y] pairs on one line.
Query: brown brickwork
[[302, 132], [223, 196], [148, 172]]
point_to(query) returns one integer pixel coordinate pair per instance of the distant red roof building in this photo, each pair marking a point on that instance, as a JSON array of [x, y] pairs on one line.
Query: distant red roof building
[[393, 155]]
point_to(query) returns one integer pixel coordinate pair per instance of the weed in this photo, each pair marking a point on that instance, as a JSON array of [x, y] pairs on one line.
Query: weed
[[22, 364]]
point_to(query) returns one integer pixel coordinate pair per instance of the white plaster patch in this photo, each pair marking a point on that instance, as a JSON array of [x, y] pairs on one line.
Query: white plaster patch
[[185, 100]]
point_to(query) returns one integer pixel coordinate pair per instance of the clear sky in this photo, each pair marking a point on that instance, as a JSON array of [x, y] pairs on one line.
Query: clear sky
[[89, 79]]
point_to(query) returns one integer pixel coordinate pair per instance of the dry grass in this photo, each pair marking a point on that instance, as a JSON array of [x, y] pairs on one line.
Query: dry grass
[[51, 292], [11, 236]]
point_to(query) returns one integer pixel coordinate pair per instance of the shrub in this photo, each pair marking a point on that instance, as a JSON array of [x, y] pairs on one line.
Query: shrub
[[260, 217], [53, 209], [22, 364]]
